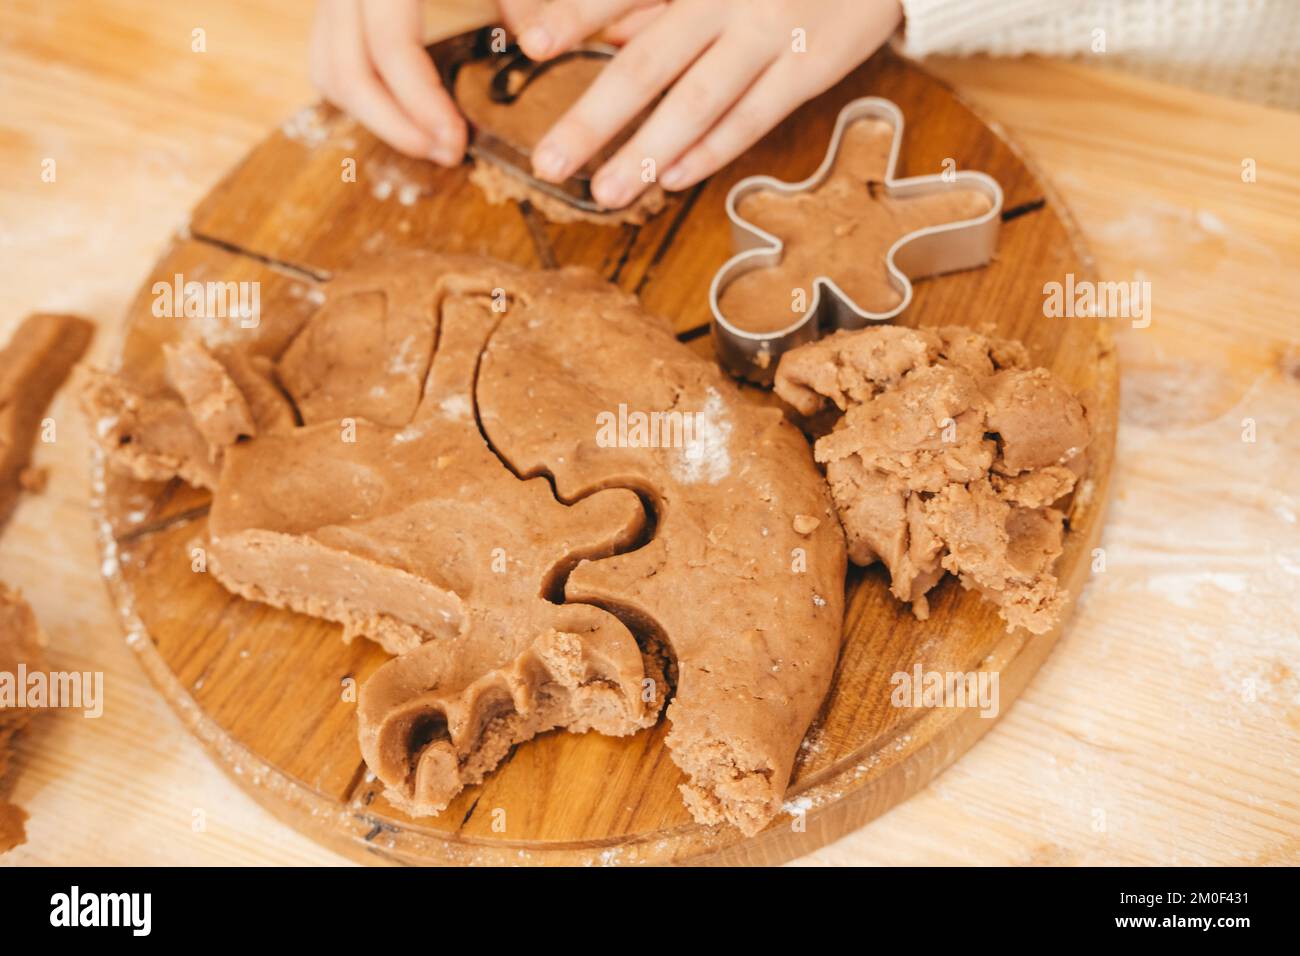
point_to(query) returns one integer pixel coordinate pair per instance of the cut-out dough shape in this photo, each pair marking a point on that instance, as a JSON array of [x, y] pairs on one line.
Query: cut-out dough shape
[[519, 126], [839, 249], [404, 524]]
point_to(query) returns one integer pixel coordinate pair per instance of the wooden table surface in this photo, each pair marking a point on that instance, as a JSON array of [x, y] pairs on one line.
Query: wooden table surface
[[1164, 729]]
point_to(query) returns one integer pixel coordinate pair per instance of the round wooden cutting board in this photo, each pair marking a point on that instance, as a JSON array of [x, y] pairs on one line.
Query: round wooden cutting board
[[272, 694]]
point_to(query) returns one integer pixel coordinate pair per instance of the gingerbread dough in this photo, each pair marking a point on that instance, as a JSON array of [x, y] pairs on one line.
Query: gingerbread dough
[[842, 230], [20, 646], [948, 456], [525, 121], [32, 367], [449, 495]]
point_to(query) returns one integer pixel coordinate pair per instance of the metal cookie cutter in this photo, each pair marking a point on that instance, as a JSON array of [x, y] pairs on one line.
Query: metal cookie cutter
[[931, 251], [514, 72]]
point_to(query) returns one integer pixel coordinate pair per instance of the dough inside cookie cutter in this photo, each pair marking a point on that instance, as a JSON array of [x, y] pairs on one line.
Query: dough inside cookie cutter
[[931, 251], [514, 72]]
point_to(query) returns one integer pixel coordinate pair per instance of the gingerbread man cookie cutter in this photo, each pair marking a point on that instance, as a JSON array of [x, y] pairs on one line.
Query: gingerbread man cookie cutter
[[922, 253]]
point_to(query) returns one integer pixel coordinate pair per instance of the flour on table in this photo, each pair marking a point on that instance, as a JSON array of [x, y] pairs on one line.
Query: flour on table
[[307, 127], [388, 180]]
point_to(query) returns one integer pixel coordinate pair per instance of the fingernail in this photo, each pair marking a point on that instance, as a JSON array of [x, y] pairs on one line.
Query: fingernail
[[444, 154], [447, 148], [536, 42], [550, 163], [674, 177], [611, 189]]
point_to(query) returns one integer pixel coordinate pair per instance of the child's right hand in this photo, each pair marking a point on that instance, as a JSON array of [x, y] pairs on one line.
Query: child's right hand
[[729, 71]]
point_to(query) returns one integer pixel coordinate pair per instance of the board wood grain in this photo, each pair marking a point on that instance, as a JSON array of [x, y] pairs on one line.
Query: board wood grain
[[266, 690]]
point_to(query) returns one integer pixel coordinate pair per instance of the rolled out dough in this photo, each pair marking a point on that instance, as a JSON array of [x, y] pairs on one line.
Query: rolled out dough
[[455, 490]]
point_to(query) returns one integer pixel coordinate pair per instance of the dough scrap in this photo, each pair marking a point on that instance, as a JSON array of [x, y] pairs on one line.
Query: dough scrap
[[219, 409], [20, 645], [948, 456], [150, 438], [38, 358], [525, 121], [525, 573], [841, 229], [33, 366]]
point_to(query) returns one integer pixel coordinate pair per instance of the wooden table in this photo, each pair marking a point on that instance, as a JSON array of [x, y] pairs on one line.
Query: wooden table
[[1165, 728]]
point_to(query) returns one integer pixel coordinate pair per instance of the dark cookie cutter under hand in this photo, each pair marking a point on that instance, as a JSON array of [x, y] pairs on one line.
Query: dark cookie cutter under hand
[[513, 75], [930, 251]]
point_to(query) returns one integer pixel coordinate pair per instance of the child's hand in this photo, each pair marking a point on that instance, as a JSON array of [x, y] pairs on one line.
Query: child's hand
[[368, 58], [733, 67]]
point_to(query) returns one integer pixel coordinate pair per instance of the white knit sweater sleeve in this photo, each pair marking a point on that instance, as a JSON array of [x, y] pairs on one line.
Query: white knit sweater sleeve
[[1247, 48]]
